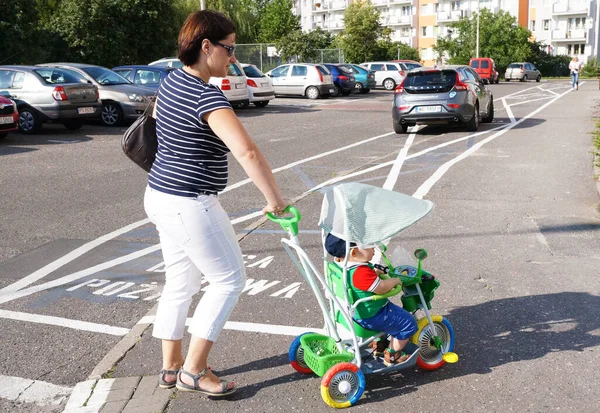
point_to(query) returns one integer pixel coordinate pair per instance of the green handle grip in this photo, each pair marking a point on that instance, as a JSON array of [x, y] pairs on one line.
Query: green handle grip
[[394, 291], [287, 223]]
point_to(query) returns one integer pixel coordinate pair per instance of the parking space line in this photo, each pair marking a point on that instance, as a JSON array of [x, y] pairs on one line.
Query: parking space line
[[441, 171], [532, 100], [76, 253], [63, 322], [508, 111], [515, 93], [392, 177], [548, 90]]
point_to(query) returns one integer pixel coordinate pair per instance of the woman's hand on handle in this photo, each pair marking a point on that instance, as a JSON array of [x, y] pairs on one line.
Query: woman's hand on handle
[[276, 208]]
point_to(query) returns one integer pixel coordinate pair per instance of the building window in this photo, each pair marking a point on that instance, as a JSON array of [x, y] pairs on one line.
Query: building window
[[406, 11], [455, 5], [576, 49], [546, 24], [568, 49], [582, 49], [424, 31], [532, 26]]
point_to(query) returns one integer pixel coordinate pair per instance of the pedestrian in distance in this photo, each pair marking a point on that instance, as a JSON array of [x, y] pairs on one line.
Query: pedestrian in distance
[[575, 69], [196, 128]]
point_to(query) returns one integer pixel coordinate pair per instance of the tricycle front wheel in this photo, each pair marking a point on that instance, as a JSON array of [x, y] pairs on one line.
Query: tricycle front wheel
[[430, 357], [296, 356], [342, 385]]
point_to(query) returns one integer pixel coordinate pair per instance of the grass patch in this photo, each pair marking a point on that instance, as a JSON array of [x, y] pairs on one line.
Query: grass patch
[[596, 142], [109, 373]]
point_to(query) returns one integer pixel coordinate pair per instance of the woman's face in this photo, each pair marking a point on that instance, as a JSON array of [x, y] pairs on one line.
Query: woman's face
[[219, 59]]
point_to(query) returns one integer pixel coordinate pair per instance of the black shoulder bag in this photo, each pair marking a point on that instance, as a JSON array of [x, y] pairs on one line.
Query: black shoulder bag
[[139, 141]]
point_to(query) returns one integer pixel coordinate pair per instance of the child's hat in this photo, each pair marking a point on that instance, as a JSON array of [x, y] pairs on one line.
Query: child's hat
[[336, 247]]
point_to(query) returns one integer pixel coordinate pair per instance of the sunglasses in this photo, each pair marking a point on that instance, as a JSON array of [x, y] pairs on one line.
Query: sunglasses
[[230, 49]]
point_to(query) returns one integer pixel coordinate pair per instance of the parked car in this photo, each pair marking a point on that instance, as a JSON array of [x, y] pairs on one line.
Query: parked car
[[387, 74], [48, 95], [485, 68], [522, 71], [144, 75], [343, 79], [408, 64], [9, 116], [121, 99], [260, 87], [233, 86], [167, 62], [365, 78], [302, 79], [445, 95]]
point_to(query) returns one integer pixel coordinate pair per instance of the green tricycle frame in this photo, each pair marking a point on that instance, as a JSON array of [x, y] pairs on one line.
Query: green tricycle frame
[[342, 355]]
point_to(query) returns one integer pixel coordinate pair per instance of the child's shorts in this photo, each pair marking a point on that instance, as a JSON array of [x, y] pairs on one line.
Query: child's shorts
[[392, 320]]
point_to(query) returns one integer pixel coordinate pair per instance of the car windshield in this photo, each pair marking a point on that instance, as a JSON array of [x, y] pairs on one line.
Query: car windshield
[[55, 76], [234, 70], [430, 81], [514, 66], [323, 69], [358, 69], [252, 71], [412, 66], [105, 77], [346, 70]]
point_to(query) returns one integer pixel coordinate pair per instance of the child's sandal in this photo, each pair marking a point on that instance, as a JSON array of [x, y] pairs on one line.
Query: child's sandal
[[391, 357], [227, 387]]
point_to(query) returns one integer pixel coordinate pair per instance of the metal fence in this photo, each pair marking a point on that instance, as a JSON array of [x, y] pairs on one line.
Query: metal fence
[[265, 56]]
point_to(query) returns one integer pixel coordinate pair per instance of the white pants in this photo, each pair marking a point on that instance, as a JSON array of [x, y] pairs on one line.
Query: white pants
[[197, 238]]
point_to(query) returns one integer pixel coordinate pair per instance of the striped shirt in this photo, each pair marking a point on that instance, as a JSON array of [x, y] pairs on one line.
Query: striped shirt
[[191, 159]]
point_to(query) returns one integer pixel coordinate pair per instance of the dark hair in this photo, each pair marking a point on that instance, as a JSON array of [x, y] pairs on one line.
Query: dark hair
[[200, 25]]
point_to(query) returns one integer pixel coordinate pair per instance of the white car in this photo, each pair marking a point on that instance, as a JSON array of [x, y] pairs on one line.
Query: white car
[[233, 85], [387, 74], [302, 79], [260, 87]]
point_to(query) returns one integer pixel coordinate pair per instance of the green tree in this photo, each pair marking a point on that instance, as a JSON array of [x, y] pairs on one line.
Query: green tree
[[388, 50], [113, 32], [500, 37], [277, 21], [297, 44], [362, 30], [20, 41]]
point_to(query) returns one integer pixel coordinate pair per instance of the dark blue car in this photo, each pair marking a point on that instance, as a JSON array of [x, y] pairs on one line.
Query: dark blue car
[[144, 75], [343, 79]]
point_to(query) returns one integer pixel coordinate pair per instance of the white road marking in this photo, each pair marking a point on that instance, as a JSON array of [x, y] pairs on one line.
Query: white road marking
[[515, 93], [532, 100], [76, 253], [508, 111], [22, 390], [63, 322], [81, 393], [548, 90], [395, 172], [427, 185], [5, 297]]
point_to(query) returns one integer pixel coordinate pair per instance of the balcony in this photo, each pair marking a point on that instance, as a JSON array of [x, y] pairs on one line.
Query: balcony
[[449, 16], [574, 35], [380, 3], [571, 8], [398, 20], [392, 2]]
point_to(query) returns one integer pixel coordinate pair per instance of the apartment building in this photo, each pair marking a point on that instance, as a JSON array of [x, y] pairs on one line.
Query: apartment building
[[565, 26]]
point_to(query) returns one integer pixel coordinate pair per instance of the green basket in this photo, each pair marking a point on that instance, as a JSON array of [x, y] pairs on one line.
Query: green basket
[[321, 353]]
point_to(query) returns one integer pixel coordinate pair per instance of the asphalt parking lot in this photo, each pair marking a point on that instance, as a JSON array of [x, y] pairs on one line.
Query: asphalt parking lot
[[513, 240]]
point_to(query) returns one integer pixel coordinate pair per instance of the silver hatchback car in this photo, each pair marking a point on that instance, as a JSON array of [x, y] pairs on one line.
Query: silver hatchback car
[[446, 95], [121, 99], [302, 79], [522, 71], [48, 95]]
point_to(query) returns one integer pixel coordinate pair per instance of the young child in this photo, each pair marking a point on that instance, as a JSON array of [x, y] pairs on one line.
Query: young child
[[379, 315]]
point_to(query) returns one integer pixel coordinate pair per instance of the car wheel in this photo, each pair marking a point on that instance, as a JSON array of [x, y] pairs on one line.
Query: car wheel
[[539, 78], [29, 121], [359, 87], [346, 93], [112, 115], [242, 105], [473, 124], [525, 79], [3, 135], [490, 115], [508, 80], [400, 128], [73, 124], [337, 91], [389, 84], [261, 104], [312, 93], [498, 80], [367, 90]]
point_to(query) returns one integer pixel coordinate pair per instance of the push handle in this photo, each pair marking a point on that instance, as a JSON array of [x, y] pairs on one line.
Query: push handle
[[289, 224]]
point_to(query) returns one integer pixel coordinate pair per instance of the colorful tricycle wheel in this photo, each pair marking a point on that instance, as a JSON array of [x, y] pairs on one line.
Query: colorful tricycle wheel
[[431, 357], [296, 356], [342, 385]]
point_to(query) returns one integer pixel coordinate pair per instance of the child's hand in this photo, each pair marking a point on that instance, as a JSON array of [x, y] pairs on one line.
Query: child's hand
[[378, 271]]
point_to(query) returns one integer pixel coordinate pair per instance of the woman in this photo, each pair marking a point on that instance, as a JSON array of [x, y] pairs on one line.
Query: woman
[[196, 127], [575, 68]]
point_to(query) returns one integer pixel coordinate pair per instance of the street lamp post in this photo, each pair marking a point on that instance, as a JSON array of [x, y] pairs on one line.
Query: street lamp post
[[202, 4], [477, 38]]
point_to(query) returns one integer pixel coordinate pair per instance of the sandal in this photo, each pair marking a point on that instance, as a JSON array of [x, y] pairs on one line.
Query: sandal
[[227, 387], [392, 357], [162, 383]]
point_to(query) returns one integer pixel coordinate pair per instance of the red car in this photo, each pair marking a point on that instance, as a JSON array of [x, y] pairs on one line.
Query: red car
[[9, 116]]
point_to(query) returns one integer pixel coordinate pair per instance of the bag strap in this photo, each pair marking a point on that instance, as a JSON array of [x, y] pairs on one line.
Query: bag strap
[[154, 100]]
